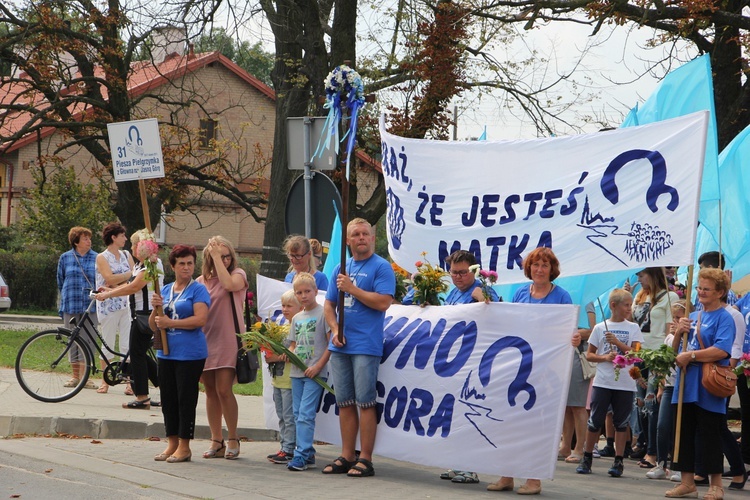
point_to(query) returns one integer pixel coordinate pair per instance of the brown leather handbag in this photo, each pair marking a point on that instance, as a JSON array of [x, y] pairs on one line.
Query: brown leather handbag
[[719, 380]]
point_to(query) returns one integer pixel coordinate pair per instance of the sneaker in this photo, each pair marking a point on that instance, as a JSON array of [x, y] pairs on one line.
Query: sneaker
[[616, 469], [310, 462], [657, 472], [281, 457], [596, 453], [676, 477], [607, 451], [297, 464], [585, 466]]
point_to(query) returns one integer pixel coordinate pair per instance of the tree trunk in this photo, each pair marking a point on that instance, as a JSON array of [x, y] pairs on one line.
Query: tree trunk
[[292, 99]]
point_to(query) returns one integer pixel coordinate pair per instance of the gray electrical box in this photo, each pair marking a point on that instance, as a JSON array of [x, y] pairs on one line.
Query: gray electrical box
[[295, 144]]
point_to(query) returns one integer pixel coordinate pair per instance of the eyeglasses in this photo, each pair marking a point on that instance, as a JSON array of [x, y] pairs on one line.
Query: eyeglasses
[[226, 257], [461, 273], [295, 256], [699, 289]]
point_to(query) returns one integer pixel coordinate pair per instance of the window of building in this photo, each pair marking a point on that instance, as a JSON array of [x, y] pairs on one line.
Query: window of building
[[208, 129]]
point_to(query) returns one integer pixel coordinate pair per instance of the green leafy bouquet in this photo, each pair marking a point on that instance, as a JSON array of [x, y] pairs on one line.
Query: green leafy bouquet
[[268, 336]]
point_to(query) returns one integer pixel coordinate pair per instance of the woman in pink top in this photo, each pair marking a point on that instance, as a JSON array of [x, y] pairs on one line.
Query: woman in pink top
[[225, 282]]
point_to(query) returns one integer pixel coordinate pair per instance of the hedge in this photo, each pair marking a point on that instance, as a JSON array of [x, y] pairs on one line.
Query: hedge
[[31, 277]]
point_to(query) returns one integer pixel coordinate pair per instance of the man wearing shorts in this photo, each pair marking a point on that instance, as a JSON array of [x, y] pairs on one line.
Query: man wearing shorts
[[368, 285]]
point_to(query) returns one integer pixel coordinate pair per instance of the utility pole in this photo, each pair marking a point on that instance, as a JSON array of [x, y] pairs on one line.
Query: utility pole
[[455, 122]]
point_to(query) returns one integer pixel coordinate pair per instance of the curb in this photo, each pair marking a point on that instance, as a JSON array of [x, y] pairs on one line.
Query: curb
[[109, 429]]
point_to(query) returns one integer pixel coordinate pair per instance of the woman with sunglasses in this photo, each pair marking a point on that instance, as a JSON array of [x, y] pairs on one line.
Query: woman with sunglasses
[[226, 284], [299, 252]]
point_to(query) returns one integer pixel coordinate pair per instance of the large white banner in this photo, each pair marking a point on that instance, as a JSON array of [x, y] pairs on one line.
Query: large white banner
[[607, 201], [477, 387]]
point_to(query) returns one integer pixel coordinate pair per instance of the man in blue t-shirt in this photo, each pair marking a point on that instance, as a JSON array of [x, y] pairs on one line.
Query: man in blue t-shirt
[[368, 284], [468, 288]]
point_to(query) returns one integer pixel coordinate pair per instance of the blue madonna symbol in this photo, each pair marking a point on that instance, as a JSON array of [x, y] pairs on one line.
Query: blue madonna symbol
[[481, 412], [395, 217]]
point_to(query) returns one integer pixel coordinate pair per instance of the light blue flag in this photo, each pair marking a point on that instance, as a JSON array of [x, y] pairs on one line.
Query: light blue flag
[[483, 137], [632, 119], [686, 90], [734, 183], [334, 248]]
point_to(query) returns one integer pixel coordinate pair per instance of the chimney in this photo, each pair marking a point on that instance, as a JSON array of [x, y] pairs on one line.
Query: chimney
[[167, 40]]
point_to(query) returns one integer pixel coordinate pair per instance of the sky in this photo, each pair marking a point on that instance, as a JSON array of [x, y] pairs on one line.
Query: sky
[[615, 74]]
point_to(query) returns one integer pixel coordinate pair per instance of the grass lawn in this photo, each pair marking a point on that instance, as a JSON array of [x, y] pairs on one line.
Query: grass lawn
[[11, 340]]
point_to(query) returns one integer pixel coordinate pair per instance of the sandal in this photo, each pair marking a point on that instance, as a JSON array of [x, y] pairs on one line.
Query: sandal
[[232, 453], [129, 391], [367, 470], [645, 464], [138, 404], [71, 383], [714, 493], [90, 385], [466, 477], [449, 474], [103, 389], [502, 484], [338, 466], [215, 453], [573, 459], [682, 491]]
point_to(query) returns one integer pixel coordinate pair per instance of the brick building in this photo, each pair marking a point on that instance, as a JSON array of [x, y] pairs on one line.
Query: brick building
[[229, 105]]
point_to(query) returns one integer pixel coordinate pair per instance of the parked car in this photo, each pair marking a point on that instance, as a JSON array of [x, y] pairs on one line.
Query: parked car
[[4, 295]]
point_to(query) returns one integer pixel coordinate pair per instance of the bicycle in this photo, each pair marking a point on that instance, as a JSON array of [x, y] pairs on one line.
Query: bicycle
[[43, 365]]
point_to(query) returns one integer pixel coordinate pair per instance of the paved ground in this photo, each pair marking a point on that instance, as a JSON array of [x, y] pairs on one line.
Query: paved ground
[[100, 436], [92, 433]]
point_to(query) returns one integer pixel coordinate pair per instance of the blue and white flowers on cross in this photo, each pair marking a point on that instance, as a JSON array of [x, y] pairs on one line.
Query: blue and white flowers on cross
[[344, 90]]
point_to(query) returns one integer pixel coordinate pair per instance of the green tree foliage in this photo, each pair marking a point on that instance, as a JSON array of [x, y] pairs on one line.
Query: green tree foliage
[[251, 58], [58, 202]]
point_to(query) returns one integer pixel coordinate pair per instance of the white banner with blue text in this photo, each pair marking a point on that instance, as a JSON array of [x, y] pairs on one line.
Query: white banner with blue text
[[478, 387], [607, 201]]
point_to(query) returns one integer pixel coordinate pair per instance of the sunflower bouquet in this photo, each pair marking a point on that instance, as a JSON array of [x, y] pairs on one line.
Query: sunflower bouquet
[[428, 282]]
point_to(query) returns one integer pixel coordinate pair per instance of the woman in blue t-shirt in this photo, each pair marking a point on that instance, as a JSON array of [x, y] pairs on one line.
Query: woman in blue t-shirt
[[185, 304], [301, 260], [542, 267], [702, 412]]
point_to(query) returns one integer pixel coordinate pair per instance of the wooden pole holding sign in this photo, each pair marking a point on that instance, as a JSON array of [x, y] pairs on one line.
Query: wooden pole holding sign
[[136, 152], [147, 223], [678, 423]]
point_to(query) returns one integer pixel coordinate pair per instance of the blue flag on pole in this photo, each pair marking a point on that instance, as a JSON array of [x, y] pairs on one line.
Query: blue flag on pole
[[334, 249], [483, 137], [734, 183]]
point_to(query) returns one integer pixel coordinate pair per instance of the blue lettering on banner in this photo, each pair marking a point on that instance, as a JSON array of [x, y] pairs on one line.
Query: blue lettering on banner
[[412, 409], [516, 246]]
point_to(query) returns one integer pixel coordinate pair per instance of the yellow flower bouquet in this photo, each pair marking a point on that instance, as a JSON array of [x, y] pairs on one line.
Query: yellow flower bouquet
[[269, 337], [428, 282]]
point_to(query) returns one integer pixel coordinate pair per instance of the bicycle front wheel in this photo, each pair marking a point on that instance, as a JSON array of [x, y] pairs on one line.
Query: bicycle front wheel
[[44, 369]]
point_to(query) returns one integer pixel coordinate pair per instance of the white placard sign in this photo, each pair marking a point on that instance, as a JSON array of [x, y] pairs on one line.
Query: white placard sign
[[136, 150], [478, 387]]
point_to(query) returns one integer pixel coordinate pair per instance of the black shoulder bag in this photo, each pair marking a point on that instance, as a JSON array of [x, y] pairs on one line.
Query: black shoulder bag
[[247, 361]]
